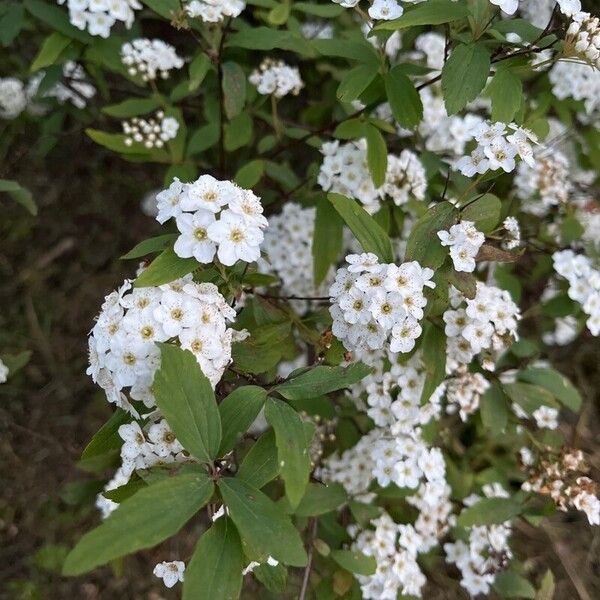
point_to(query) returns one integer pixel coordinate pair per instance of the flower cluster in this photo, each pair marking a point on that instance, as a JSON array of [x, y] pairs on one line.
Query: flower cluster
[[563, 479], [150, 58], [122, 344], [344, 170], [584, 284], [567, 7], [513, 233], [152, 132], [463, 393], [487, 551], [464, 241], [481, 325], [274, 77], [214, 11], [498, 145], [583, 38], [76, 88], [13, 99], [214, 217], [98, 16], [373, 303]]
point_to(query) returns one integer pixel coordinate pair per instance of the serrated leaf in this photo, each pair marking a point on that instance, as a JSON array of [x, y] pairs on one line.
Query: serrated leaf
[[464, 75], [166, 267], [489, 511], [403, 97], [238, 411], [150, 516], [215, 569], [265, 530], [187, 401], [356, 81], [327, 240], [292, 448], [366, 230]]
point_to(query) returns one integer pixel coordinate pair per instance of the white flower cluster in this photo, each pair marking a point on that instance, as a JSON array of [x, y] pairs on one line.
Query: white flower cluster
[[344, 170], [150, 58], [565, 331], [375, 304], [513, 230], [464, 392], [567, 7], [274, 77], [4, 371], [13, 99], [152, 132], [170, 572], [487, 551], [235, 235], [544, 184], [481, 325], [214, 11], [288, 246], [584, 284], [464, 241], [98, 16], [583, 38], [385, 10], [317, 30], [576, 80], [122, 343], [498, 144]]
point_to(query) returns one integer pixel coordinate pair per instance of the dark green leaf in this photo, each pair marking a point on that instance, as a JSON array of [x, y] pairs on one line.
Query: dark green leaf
[[427, 13], [199, 67], [556, 383], [320, 499], [403, 97], [203, 138], [57, 18], [376, 154], [149, 246], [494, 409], [234, 89], [260, 465], [166, 267], [489, 511], [327, 240], [250, 174], [505, 91], [11, 22], [107, 437], [529, 397], [19, 194], [512, 585], [51, 49], [484, 212], [187, 401], [433, 349], [131, 107], [165, 8], [356, 81], [355, 562]]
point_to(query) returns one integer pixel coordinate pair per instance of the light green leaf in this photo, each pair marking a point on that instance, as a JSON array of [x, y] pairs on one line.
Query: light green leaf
[[356, 81], [145, 247], [509, 584], [366, 230], [265, 530], [327, 240], [238, 411], [292, 448], [322, 380], [489, 511], [433, 349], [506, 92], [166, 267], [250, 174], [484, 212], [131, 107], [556, 383], [187, 401], [234, 89], [215, 569], [376, 154], [403, 97], [142, 521], [19, 194], [280, 13], [355, 562], [428, 13], [464, 75], [51, 49], [260, 465], [547, 587]]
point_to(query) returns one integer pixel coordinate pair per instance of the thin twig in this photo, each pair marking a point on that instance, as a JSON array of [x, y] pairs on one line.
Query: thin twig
[[308, 568]]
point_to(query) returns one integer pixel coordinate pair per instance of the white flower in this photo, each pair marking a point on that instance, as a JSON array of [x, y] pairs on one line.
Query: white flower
[[546, 417], [3, 372], [385, 10], [170, 572], [277, 78], [169, 201], [13, 99], [193, 239], [236, 238]]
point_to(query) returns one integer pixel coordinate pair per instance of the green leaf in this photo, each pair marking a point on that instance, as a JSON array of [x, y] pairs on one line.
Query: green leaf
[[250, 174], [260, 465], [556, 383], [326, 11], [350, 129], [322, 380], [238, 132], [187, 401], [376, 154], [423, 244], [199, 67], [19, 194], [51, 49], [484, 212], [155, 244], [203, 138], [547, 587], [165, 8], [355, 562], [366, 230], [107, 438], [12, 21], [351, 49], [166, 267], [327, 240], [238, 411], [142, 521], [428, 13], [403, 97], [494, 410], [131, 107], [433, 349], [529, 397], [489, 511], [274, 578], [505, 91], [320, 499], [464, 75], [356, 81], [215, 569], [262, 350], [279, 14], [234, 89], [466, 283], [265, 38], [116, 143], [265, 530], [57, 18], [292, 448], [15, 362], [512, 585]]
